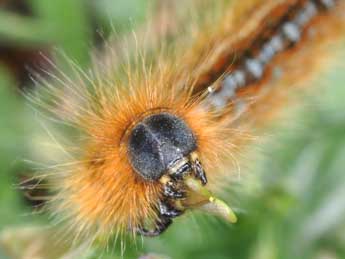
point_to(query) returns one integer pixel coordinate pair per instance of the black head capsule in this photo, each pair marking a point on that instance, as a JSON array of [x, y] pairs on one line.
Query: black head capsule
[[162, 148], [161, 143]]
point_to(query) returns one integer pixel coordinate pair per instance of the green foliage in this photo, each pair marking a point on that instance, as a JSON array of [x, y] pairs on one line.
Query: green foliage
[[13, 138]]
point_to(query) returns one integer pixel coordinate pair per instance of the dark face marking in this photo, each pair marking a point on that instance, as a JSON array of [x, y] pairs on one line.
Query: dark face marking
[[158, 141]]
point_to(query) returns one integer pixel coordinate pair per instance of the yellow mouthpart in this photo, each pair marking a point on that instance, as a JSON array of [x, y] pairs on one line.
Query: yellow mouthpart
[[201, 198]]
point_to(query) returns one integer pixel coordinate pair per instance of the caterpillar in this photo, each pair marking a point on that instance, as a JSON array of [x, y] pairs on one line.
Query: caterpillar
[[156, 141]]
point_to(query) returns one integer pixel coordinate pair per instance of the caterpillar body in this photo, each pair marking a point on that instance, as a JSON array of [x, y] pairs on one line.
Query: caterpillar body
[[155, 142]]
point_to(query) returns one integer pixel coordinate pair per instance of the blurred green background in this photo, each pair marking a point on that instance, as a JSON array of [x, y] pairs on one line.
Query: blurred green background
[[290, 201]]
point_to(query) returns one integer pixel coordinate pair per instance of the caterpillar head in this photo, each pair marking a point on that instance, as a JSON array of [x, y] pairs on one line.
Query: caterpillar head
[[162, 148]]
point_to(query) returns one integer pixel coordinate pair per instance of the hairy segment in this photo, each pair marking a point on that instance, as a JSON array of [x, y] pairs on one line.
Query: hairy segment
[[254, 63], [155, 141]]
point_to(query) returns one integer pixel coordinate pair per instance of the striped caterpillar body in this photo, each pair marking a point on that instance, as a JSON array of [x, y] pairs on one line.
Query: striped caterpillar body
[[155, 142], [277, 38]]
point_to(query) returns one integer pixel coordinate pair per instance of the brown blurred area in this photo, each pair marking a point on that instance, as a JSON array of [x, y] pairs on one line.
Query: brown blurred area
[[17, 59], [18, 6]]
